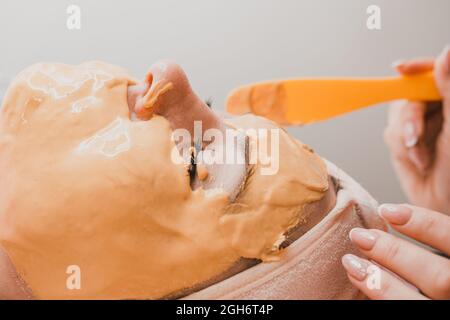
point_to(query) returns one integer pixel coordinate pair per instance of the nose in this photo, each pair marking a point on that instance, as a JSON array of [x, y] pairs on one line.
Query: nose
[[166, 91]]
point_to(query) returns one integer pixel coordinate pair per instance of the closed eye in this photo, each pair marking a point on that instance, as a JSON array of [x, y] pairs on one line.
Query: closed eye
[[194, 150]]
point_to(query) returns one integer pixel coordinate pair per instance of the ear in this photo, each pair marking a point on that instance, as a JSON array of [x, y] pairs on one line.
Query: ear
[[12, 287]]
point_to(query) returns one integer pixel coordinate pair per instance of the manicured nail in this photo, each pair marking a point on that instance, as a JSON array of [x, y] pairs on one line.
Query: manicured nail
[[395, 213], [363, 238], [354, 266], [410, 134]]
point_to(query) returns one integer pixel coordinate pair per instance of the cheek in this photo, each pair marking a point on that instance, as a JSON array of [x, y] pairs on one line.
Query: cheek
[[314, 213], [222, 163]]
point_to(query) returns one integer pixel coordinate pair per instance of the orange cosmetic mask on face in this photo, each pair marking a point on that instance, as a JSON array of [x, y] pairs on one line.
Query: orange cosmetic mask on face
[[85, 188]]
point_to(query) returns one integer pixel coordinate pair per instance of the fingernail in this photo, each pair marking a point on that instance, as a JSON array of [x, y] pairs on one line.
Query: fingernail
[[395, 213], [397, 63], [363, 238], [410, 134], [354, 266]]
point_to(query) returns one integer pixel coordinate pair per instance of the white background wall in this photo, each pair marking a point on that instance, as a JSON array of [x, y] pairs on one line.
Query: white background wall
[[222, 44]]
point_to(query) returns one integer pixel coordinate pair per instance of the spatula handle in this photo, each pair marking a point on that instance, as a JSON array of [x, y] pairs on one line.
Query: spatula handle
[[421, 87]]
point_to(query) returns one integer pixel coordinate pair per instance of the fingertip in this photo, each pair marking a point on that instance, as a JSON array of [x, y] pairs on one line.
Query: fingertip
[[354, 266], [396, 214]]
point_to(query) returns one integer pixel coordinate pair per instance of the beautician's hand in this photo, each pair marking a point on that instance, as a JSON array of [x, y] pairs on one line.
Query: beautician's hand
[[411, 263], [418, 136]]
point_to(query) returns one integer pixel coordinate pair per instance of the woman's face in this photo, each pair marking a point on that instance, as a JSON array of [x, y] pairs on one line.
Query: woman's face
[[95, 179]]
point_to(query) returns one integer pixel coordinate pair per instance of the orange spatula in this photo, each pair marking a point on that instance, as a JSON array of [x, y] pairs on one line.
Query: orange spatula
[[301, 101]]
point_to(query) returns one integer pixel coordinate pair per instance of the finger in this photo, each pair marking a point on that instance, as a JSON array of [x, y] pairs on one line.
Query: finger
[[415, 66], [427, 271], [427, 226], [404, 137], [376, 283], [406, 126], [413, 119]]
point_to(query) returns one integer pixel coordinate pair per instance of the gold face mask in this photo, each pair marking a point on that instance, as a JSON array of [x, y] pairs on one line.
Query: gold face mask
[[86, 190]]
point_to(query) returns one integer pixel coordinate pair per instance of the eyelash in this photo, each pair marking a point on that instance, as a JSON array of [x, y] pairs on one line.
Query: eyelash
[[195, 148], [192, 169], [209, 102]]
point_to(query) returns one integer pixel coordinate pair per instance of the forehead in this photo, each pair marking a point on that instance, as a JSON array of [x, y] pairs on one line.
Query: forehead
[[77, 119], [83, 99]]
